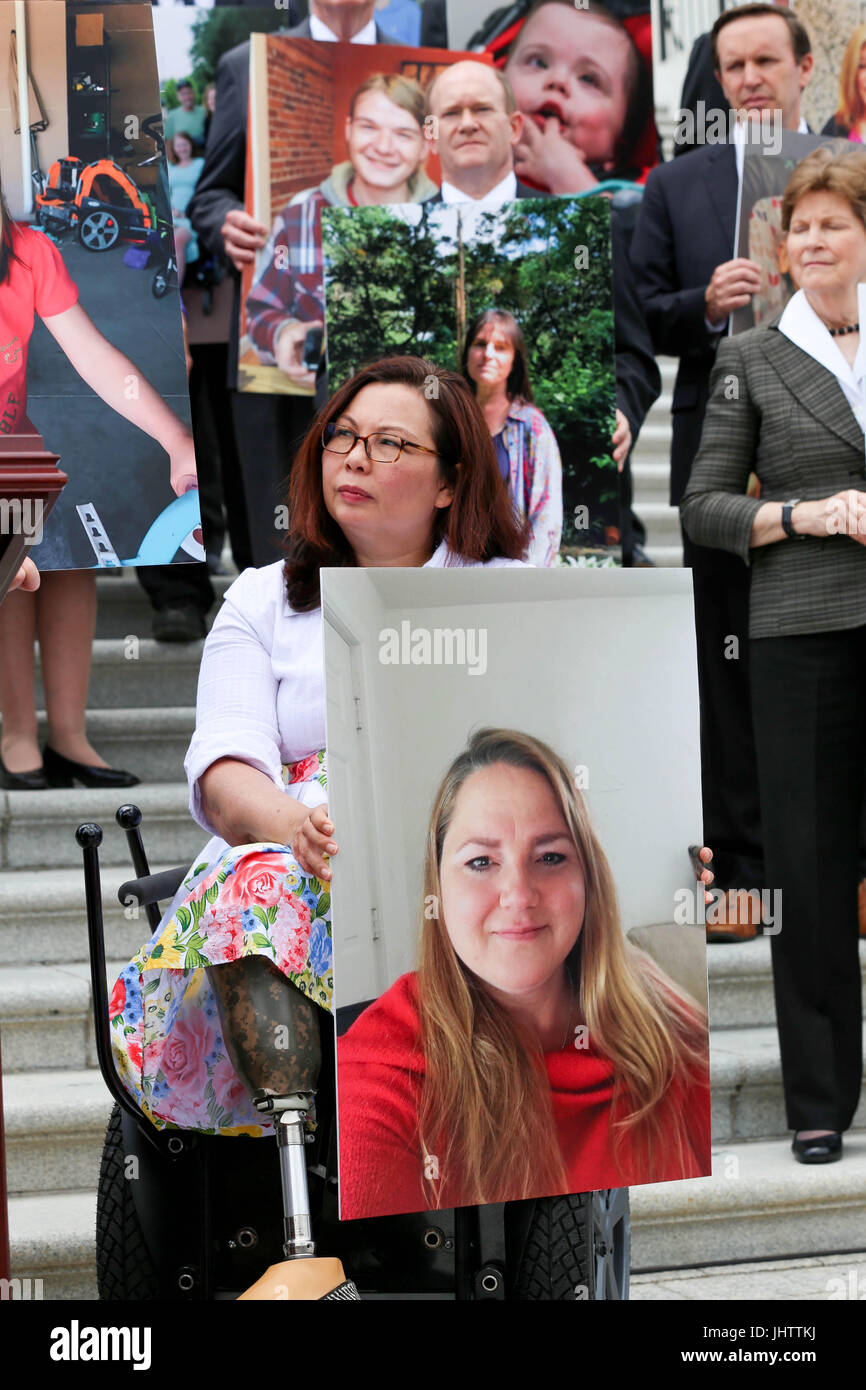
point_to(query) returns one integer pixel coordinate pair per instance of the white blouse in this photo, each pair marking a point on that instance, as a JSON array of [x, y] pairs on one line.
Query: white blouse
[[808, 331], [261, 685]]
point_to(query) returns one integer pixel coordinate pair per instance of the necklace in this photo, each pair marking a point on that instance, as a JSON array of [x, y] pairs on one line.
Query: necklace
[[840, 332]]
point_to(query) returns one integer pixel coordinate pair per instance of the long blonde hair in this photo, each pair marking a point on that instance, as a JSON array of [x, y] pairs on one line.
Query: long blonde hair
[[851, 108], [486, 1110]]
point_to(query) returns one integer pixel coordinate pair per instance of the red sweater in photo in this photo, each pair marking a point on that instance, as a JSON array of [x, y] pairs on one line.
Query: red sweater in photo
[[38, 283], [380, 1070]]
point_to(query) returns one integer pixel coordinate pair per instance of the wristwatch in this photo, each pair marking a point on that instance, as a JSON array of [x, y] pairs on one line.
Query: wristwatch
[[787, 526]]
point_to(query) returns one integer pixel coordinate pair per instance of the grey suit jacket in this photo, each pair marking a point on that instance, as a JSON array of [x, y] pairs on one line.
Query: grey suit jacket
[[775, 411]]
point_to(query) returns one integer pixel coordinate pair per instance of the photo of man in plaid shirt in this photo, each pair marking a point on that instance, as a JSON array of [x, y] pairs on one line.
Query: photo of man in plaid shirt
[[387, 151]]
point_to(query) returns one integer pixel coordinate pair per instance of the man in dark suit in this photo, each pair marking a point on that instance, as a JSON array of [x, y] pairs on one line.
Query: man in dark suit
[[268, 428], [474, 126], [689, 284]]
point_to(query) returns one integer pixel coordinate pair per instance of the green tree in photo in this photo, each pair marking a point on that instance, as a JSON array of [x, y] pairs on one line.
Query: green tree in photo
[[390, 289]]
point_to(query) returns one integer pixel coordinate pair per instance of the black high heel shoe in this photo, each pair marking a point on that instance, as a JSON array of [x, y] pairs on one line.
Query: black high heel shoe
[[827, 1148], [34, 781], [62, 772]]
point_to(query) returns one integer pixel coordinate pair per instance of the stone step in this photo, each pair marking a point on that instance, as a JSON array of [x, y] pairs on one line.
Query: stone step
[[152, 743], [43, 917], [651, 479], [654, 441], [741, 984], [666, 556], [660, 519], [55, 1129], [52, 1237], [759, 1204], [38, 828], [45, 1016], [124, 608], [139, 673], [746, 1085]]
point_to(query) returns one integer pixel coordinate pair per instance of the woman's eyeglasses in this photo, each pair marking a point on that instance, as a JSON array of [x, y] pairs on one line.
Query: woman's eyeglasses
[[379, 447]]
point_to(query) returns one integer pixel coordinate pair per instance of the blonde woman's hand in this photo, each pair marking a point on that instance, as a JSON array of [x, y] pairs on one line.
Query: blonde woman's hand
[[313, 843], [843, 514]]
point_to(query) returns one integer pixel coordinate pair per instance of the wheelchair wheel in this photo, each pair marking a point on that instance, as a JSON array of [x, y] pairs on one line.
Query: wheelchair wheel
[[98, 231], [124, 1269], [159, 285], [576, 1248]]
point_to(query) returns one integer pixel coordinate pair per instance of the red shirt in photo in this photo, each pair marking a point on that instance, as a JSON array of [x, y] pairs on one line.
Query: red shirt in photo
[[38, 283], [380, 1070]]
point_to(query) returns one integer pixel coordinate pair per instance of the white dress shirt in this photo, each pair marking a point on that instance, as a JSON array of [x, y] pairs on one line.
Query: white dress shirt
[[504, 192], [740, 142], [261, 685], [803, 326], [320, 31]]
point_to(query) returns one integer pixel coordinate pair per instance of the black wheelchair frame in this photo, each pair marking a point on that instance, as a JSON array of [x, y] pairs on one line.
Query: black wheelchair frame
[[188, 1216]]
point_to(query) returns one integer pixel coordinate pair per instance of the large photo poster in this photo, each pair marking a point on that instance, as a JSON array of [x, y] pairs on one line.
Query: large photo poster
[[582, 77], [330, 125], [92, 358], [518, 300], [766, 171], [516, 946]]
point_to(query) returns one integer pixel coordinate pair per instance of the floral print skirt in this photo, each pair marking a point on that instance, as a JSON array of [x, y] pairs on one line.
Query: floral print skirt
[[165, 1023]]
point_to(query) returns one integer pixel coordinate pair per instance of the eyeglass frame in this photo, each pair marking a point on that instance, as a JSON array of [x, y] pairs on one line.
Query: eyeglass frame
[[365, 440]]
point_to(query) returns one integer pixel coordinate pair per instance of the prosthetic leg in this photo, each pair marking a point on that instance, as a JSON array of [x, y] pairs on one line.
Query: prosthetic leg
[[271, 1032]]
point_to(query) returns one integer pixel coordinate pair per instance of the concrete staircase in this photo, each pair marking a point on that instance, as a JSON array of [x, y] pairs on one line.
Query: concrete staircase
[[650, 466], [142, 713], [759, 1204]]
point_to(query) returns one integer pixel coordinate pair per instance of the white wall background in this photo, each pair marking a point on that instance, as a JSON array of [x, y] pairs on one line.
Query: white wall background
[[599, 665]]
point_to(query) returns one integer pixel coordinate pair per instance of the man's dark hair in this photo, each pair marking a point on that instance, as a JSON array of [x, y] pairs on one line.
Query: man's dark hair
[[185, 83], [799, 34]]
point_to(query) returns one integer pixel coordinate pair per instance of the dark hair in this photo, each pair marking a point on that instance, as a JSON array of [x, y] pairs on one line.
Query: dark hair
[[185, 82], [639, 104], [798, 33], [481, 522], [518, 385], [8, 254]]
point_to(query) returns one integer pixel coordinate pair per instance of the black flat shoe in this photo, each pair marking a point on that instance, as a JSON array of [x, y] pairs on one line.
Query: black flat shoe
[[34, 781], [62, 772], [826, 1149]]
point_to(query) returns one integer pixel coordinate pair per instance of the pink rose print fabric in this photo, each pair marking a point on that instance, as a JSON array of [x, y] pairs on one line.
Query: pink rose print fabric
[[166, 1038]]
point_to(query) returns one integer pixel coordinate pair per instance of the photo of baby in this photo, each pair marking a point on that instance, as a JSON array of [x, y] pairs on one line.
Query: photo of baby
[[582, 77]]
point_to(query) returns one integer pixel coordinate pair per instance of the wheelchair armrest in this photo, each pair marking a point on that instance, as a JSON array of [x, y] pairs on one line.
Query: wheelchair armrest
[[153, 888]]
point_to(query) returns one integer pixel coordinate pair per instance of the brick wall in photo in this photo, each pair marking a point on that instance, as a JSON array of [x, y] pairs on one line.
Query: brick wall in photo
[[300, 117]]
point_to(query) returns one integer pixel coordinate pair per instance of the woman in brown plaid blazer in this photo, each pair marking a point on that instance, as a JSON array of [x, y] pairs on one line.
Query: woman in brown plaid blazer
[[788, 402]]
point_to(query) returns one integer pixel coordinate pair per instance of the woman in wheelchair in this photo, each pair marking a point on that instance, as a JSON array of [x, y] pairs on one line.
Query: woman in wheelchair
[[535, 1051], [391, 473]]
